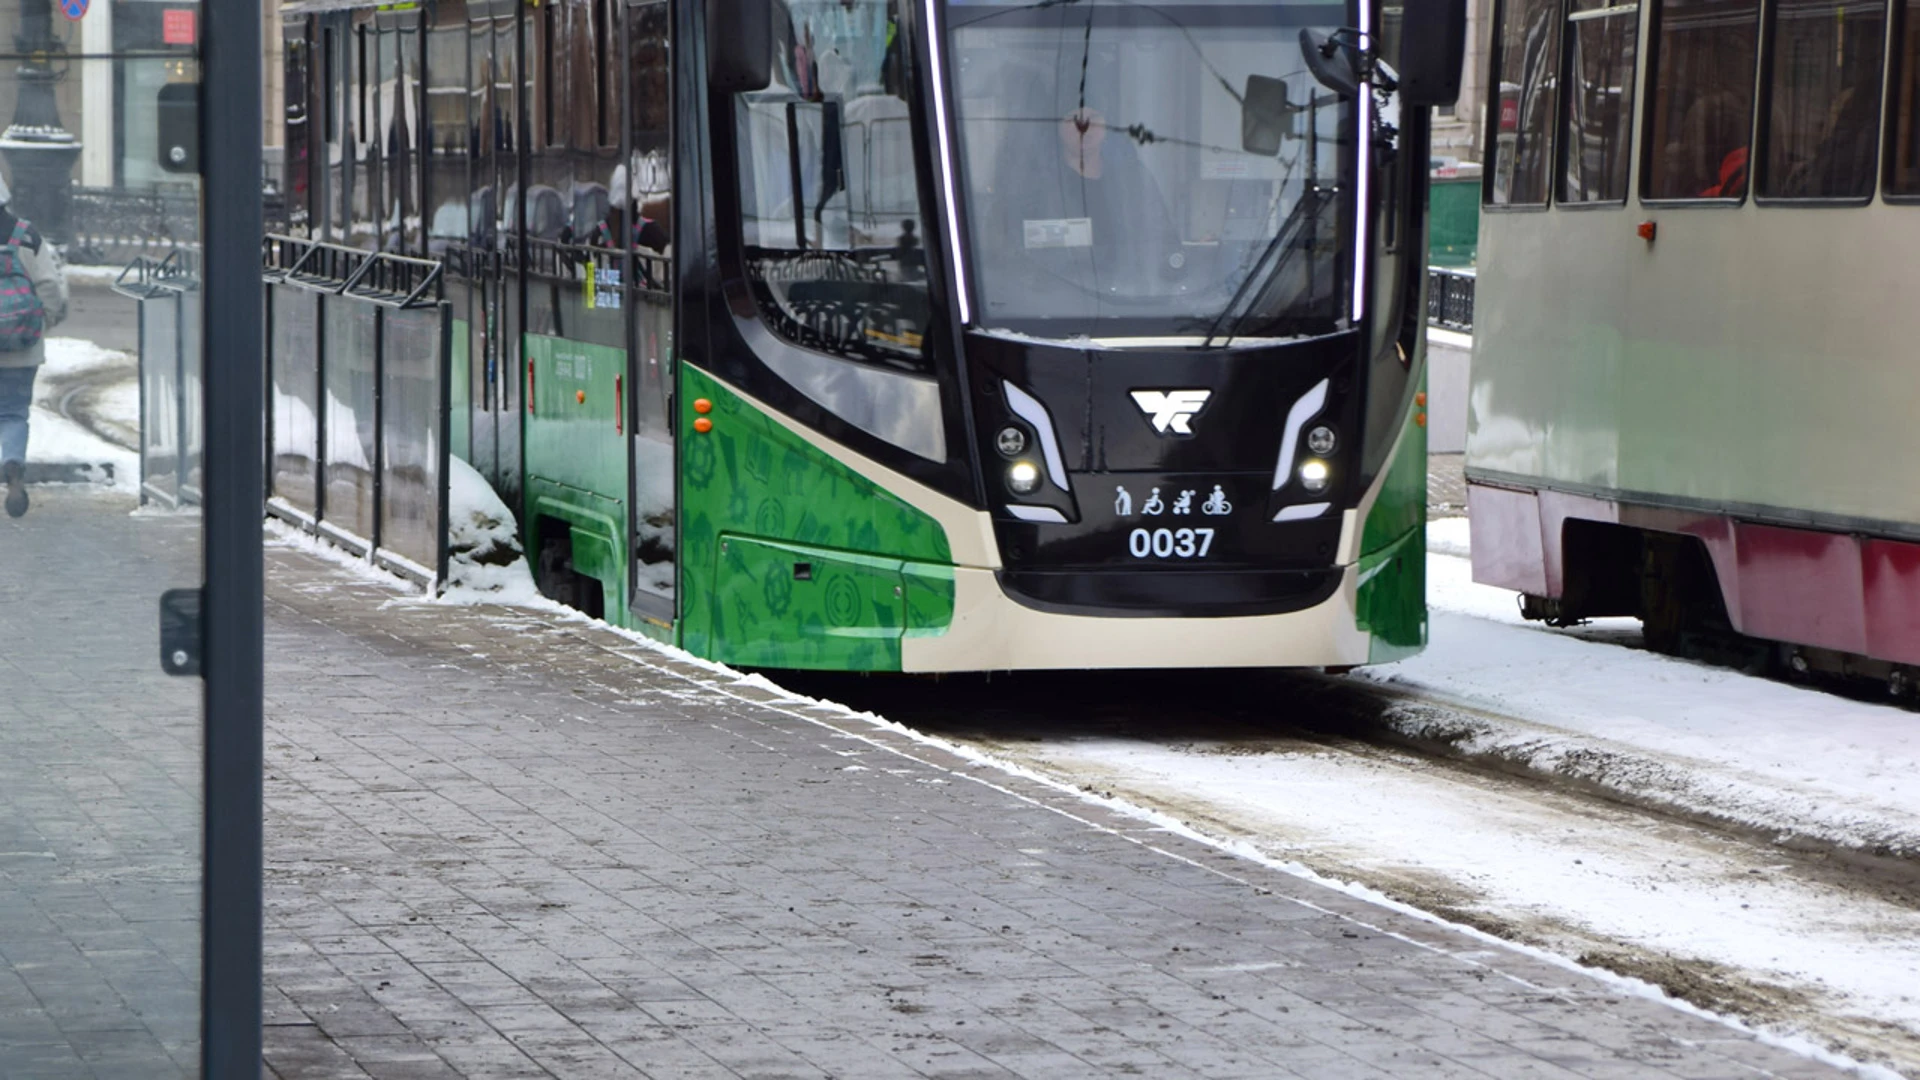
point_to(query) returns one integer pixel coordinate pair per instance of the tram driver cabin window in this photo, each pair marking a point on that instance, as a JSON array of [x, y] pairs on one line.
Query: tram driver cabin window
[[1699, 122], [830, 210]]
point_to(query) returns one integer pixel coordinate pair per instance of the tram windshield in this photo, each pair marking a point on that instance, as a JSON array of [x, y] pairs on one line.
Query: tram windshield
[[1115, 186]]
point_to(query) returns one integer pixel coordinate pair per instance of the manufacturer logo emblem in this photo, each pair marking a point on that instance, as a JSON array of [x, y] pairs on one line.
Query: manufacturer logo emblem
[[1172, 411]]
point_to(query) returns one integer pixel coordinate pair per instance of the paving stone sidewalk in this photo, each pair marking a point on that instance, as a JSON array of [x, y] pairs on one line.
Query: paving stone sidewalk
[[504, 844]]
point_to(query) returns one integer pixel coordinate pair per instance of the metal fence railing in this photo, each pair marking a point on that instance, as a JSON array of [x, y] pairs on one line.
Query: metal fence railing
[[115, 225], [357, 401], [172, 423], [1450, 298]]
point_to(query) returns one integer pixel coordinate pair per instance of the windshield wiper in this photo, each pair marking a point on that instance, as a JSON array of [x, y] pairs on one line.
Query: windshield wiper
[[1306, 211]]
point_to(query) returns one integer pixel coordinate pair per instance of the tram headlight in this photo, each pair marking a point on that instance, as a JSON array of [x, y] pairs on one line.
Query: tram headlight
[[1321, 440], [1023, 477], [1011, 441], [1313, 476]]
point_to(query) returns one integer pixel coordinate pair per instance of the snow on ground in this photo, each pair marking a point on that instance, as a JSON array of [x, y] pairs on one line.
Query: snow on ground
[[1705, 740], [53, 438]]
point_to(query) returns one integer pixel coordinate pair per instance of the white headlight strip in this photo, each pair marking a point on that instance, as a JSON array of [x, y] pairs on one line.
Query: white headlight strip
[[1305, 409], [1028, 408], [939, 78]]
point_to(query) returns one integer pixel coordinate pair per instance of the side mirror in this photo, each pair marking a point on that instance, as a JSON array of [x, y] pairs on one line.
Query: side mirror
[[1433, 48], [1266, 117], [1331, 62], [179, 127], [739, 45]]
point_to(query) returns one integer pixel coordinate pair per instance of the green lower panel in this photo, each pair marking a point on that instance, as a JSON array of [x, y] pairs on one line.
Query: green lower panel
[[774, 498], [837, 610], [595, 524], [1392, 604]]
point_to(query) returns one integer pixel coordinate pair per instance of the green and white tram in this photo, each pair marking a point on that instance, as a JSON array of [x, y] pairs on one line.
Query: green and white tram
[[925, 335], [1690, 399]]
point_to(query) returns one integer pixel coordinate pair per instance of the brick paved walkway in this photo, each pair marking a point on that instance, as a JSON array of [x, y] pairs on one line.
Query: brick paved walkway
[[99, 795], [503, 844], [1446, 485]]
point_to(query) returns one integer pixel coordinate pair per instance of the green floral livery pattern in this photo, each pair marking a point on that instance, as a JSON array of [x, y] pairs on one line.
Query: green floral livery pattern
[[789, 557]]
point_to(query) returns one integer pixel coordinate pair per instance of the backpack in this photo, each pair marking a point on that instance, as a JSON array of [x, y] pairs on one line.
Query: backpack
[[23, 319]]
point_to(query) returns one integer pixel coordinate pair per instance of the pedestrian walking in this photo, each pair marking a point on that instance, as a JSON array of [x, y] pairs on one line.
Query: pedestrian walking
[[33, 298]]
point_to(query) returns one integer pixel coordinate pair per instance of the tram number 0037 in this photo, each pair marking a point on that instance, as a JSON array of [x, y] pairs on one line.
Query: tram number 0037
[[1170, 543]]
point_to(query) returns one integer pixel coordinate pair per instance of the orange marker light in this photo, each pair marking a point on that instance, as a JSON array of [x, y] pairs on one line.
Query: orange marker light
[[580, 396], [703, 425], [1646, 231], [1420, 399], [702, 405], [1420, 419]]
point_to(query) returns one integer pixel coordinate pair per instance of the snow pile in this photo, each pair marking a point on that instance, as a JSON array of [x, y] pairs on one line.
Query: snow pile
[[485, 563]]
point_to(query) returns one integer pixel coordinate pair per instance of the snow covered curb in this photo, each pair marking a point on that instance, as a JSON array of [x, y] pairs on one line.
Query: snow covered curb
[[1795, 766], [1704, 792]]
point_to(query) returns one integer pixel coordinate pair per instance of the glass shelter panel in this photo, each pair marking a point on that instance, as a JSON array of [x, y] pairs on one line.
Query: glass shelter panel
[[1699, 125], [101, 751], [1823, 99]]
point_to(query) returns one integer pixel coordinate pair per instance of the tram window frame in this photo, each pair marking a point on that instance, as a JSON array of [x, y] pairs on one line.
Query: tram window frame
[[1762, 164], [1902, 63], [1652, 98], [1496, 58], [809, 113], [1571, 23]]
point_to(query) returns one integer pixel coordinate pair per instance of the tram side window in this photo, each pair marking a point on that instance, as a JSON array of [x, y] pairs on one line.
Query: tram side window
[[298, 138], [1699, 123], [1903, 127], [830, 207], [1823, 99], [447, 137], [1526, 67], [1597, 134]]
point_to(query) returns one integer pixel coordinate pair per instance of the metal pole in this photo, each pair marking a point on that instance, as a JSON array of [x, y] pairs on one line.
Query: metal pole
[[234, 622]]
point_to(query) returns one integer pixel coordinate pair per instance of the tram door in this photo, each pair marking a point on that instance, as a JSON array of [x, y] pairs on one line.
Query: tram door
[[649, 66], [497, 373]]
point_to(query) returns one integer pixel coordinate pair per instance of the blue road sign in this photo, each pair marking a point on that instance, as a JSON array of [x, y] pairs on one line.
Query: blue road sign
[[73, 9]]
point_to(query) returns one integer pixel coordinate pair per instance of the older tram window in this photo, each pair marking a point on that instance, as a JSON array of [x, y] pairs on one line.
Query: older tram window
[[1823, 99], [1596, 135], [1700, 99], [829, 205], [1526, 65], [1903, 105]]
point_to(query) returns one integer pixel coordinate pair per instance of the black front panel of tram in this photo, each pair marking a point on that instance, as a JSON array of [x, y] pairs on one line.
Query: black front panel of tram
[[1169, 456]]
